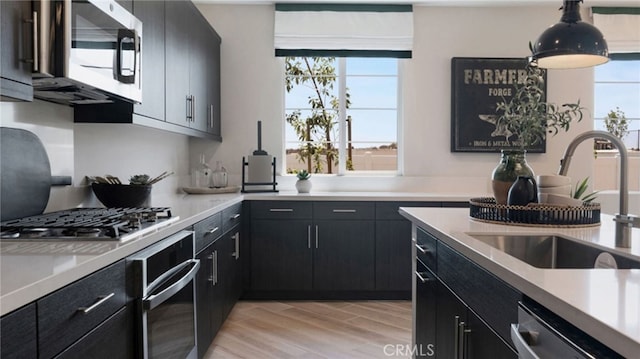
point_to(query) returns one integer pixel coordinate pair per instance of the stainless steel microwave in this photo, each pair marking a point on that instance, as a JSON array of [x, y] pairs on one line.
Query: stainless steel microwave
[[86, 51]]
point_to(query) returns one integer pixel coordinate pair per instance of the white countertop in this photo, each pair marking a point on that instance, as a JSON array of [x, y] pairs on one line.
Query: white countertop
[[605, 303], [30, 270]]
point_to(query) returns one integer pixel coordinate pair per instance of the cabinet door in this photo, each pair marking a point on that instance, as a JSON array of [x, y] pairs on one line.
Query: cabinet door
[[482, 342], [451, 312], [232, 270], [18, 334], [177, 59], [152, 15], [16, 39], [112, 339], [425, 310], [393, 255], [343, 255], [204, 295], [281, 254], [199, 37]]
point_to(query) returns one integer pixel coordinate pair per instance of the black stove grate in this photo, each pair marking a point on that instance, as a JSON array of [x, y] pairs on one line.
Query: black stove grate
[[109, 221]]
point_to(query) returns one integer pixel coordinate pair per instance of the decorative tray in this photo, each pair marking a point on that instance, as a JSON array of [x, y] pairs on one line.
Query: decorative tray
[[208, 190], [486, 209]]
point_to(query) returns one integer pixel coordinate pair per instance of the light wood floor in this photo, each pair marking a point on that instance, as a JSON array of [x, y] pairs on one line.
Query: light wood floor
[[306, 329]]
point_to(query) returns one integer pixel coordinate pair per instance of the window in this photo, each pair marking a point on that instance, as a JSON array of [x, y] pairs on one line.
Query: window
[[617, 86], [322, 138]]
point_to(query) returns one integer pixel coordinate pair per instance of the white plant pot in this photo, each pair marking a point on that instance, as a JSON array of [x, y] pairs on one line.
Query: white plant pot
[[303, 186]]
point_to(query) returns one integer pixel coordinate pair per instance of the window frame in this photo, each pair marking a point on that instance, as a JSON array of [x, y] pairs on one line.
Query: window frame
[[341, 74]]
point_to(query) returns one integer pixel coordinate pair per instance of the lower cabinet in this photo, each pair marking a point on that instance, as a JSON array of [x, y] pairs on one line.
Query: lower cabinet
[[90, 318], [219, 280], [461, 311]]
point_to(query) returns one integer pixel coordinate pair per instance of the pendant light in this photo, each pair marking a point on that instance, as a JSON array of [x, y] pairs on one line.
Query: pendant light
[[571, 43]]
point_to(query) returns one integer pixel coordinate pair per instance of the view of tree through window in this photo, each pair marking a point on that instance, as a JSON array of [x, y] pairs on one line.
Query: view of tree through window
[[617, 88], [318, 133]]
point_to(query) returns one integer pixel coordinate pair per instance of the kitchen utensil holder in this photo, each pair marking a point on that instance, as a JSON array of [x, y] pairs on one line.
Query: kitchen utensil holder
[[245, 184], [485, 209]]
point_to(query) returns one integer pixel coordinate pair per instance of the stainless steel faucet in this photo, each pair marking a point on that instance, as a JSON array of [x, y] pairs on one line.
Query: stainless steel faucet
[[624, 221]]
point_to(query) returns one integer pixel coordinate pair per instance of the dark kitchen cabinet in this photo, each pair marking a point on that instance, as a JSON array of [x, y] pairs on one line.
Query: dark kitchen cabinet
[[192, 61], [312, 247], [219, 280], [393, 246], [456, 305], [180, 74], [16, 58], [281, 256], [18, 334], [343, 255], [209, 296]]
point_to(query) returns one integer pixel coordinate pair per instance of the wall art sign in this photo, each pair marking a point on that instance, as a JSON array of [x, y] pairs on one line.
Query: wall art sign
[[477, 85]]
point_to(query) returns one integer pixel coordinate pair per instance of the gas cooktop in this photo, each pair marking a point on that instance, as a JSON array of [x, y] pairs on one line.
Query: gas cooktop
[[87, 224]]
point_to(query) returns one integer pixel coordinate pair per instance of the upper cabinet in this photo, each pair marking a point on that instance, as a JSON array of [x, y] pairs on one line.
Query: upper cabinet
[[180, 74], [16, 57], [193, 66]]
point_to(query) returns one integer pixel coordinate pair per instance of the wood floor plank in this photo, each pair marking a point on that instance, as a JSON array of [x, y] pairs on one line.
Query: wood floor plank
[[314, 330]]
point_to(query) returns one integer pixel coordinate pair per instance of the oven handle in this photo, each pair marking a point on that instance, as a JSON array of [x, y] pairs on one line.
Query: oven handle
[[153, 301], [523, 348]]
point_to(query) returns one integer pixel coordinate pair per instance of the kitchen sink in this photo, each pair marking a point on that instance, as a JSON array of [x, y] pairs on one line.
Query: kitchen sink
[[550, 251]]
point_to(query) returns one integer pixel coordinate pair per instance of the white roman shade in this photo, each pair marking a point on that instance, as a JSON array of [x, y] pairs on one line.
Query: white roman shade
[[343, 30], [620, 27]]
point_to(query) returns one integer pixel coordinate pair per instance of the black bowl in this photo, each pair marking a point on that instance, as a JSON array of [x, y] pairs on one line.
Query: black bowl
[[121, 195]]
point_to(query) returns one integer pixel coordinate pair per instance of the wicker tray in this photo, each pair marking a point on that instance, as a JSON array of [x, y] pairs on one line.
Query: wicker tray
[[538, 215]]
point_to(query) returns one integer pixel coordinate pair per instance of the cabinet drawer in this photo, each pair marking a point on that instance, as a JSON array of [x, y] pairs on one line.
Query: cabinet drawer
[[18, 334], [343, 210], [281, 209], [207, 231], [426, 249], [389, 210], [71, 312], [231, 217]]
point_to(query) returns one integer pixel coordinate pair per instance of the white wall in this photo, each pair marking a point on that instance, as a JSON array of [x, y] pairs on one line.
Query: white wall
[[252, 90]]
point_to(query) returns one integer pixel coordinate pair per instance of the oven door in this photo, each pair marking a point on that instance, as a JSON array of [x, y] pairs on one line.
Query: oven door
[[169, 315], [165, 280]]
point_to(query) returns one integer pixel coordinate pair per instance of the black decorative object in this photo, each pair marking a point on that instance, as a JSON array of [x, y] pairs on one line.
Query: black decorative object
[[477, 85], [571, 43], [522, 192]]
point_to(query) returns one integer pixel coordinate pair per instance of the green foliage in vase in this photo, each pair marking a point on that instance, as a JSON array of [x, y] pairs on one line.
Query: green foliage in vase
[[303, 175], [616, 123], [529, 117], [580, 191]]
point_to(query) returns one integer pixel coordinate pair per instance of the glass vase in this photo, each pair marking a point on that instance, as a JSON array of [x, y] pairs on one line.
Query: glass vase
[[513, 163]]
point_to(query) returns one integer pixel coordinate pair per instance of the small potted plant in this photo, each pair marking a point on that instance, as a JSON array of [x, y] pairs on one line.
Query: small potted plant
[[303, 185], [530, 119]]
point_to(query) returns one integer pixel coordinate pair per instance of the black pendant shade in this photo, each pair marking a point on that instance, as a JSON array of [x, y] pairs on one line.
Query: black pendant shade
[[571, 43]]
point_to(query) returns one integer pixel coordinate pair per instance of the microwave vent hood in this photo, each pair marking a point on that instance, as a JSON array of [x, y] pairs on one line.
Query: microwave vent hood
[[86, 52]]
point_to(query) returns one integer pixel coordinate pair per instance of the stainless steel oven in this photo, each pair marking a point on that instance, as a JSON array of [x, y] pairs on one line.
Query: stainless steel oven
[[86, 51], [165, 290]]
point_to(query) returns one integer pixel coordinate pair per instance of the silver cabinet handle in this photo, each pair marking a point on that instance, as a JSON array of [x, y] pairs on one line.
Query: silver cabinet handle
[[235, 216], [423, 249], [211, 116], [214, 230], [34, 38], [101, 300], [423, 276], [193, 108], [522, 347], [236, 239], [462, 328], [456, 337], [188, 103], [280, 209], [344, 211], [309, 236], [316, 236], [213, 268]]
